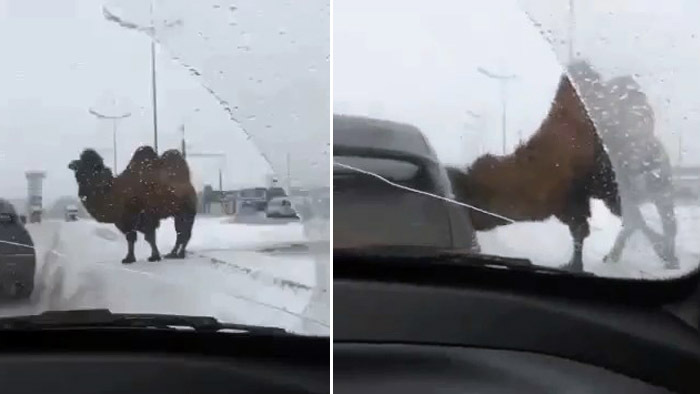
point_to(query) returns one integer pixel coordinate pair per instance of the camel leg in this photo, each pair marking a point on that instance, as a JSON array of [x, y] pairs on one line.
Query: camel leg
[[576, 218], [178, 242], [128, 227], [632, 220], [579, 230], [183, 227], [150, 235], [131, 240], [186, 224], [619, 245], [670, 227]]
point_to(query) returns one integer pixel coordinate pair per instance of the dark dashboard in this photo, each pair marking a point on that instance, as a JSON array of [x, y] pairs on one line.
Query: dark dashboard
[[415, 328]]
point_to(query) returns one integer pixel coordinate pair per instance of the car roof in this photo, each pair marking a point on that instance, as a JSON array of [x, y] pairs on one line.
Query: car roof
[[7, 207], [355, 132]]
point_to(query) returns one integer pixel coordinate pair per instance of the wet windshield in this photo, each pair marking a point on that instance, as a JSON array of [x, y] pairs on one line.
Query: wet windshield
[[139, 141], [565, 129]]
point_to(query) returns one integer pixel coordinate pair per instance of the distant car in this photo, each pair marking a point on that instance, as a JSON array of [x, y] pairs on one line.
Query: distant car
[[255, 197], [35, 215], [280, 207], [369, 212], [71, 213], [17, 254]]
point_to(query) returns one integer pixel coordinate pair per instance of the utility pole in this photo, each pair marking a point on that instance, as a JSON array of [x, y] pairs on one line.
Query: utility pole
[[114, 119], [154, 92], [503, 79], [572, 30], [289, 175], [184, 148]]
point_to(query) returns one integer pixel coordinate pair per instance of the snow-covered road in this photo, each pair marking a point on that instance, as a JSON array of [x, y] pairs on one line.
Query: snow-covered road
[[549, 243], [236, 272]]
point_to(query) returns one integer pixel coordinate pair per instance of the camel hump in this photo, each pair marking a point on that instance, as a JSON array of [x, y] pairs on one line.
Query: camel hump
[[175, 166], [143, 159], [144, 153]]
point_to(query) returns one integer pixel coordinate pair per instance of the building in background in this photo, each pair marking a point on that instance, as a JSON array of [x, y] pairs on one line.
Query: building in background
[[35, 181]]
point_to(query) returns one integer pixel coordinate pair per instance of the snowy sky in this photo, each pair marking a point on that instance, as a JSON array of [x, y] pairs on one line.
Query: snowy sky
[[417, 61], [61, 57]]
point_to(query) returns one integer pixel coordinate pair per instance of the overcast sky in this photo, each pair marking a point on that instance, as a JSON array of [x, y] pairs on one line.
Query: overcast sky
[[61, 57], [417, 61]]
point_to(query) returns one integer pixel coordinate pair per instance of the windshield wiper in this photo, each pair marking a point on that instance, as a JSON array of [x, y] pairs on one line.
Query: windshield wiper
[[427, 255], [103, 318]]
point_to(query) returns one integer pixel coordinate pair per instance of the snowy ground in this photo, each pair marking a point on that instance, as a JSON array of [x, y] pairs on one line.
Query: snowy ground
[[549, 243], [255, 274]]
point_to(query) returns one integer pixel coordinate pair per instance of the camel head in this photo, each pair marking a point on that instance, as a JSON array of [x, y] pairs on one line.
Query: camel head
[[90, 171], [471, 186]]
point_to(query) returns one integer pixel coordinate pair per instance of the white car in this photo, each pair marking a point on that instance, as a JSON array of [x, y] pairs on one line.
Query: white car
[[280, 207], [71, 213]]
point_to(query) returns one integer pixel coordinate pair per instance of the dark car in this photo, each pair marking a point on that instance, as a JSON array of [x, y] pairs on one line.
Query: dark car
[[17, 255], [370, 212]]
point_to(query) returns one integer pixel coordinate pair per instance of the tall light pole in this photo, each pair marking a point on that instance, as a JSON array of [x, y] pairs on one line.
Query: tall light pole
[[114, 119], [503, 79], [572, 30], [154, 93]]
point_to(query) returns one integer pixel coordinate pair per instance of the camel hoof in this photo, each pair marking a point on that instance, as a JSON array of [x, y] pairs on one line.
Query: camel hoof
[[154, 258], [672, 264], [610, 259], [174, 256], [128, 260], [573, 266]]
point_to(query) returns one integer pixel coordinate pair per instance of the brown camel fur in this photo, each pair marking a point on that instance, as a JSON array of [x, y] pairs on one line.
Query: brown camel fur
[[555, 173], [151, 188]]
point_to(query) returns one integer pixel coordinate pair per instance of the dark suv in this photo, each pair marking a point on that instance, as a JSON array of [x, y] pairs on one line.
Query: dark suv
[[17, 255], [369, 212]]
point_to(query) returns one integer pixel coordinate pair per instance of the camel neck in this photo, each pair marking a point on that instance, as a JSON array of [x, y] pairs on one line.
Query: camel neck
[[98, 200]]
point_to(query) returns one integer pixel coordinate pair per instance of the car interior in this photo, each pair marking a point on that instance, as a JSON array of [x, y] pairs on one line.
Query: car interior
[[449, 325], [154, 360]]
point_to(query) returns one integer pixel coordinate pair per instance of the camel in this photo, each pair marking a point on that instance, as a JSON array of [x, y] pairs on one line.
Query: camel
[[150, 189]]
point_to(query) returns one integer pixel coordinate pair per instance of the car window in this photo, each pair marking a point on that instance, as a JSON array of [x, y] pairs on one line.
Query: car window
[[140, 139], [394, 170], [566, 128]]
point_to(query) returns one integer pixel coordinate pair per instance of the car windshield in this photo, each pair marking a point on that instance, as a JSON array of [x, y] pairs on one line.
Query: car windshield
[[395, 170], [563, 132], [138, 143]]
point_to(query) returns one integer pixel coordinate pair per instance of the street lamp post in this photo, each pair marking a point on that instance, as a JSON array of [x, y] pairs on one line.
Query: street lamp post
[[503, 79], [572, 28], [154, 93], [114, 119]]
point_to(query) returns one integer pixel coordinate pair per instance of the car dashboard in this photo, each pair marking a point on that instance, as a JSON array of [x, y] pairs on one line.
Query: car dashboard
[[151, 361]]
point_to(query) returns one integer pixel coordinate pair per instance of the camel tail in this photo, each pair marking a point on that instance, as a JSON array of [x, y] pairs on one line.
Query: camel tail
[[175, 166]]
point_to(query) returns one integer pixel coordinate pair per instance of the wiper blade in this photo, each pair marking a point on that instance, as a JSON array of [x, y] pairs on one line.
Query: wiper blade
[[426, 255], [104, 318]]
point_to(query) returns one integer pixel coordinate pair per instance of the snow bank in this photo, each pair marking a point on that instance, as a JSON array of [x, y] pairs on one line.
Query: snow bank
[[225, 276], [549, 243]]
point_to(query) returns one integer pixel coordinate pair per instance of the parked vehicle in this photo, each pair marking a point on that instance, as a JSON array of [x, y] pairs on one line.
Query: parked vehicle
[[256, 197], [71, 213], [371, 212], [17, 255], [280, 207], [35, 214]]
